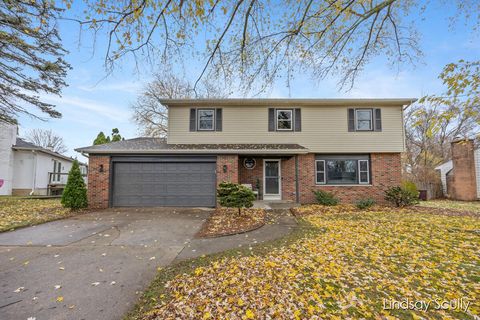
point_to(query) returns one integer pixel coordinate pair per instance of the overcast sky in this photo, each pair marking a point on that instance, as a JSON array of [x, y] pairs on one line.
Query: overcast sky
[[94, 102]]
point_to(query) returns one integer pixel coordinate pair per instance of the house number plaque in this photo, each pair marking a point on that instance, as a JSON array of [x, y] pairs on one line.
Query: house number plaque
[[249, 163]]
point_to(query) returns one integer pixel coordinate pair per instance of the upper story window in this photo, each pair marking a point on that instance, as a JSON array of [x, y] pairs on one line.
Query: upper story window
[[206, 119], [364, 119], [284, 119]]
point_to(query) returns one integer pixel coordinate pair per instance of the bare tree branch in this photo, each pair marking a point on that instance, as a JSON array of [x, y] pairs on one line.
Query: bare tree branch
[[47, 139]]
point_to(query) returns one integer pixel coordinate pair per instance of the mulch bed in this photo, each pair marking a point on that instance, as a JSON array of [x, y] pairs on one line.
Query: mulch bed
[[345, 208], [226, 221]]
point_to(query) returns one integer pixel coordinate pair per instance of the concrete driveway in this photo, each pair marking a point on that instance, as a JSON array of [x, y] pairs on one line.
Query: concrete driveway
[[92, 266]]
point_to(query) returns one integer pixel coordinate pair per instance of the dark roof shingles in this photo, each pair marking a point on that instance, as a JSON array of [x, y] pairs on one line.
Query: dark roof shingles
[[137, 144], [20, 143]]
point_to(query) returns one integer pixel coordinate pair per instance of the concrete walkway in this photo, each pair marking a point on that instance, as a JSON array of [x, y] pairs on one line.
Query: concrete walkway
[[281, 223], [96, 265]]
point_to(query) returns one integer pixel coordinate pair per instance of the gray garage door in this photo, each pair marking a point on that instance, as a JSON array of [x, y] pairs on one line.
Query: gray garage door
[[149, 184]]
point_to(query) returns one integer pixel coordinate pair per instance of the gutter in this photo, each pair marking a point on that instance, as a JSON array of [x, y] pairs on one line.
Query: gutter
[[51, 153], [199, 151], [290, 102]]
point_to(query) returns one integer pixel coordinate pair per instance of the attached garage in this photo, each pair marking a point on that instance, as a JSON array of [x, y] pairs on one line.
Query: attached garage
[[179, 181]]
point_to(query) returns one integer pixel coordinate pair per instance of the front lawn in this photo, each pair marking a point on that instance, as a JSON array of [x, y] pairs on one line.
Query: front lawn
[[18, 212], [471, 206], [357, 264]]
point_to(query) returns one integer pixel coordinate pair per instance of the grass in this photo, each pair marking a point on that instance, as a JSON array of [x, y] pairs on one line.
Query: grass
[[338, 264], [157, 291], [472, 206], [16, 212]]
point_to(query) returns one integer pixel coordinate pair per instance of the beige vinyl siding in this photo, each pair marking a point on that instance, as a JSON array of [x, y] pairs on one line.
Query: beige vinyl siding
[[324, 129]]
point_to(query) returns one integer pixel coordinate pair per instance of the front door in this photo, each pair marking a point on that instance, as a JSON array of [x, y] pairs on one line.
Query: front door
[[272, 180]]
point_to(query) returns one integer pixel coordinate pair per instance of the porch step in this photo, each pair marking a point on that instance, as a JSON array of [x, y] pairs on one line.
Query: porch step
[[272, 204]]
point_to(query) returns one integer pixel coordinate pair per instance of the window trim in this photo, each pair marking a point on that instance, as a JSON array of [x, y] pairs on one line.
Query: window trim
[[341, 157], [360, 171], [291, 119], [317, 172], [213, 119], [371, 119]]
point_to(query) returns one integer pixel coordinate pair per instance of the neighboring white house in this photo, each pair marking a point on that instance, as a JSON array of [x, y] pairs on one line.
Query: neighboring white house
[[444, 169], [27, 169]]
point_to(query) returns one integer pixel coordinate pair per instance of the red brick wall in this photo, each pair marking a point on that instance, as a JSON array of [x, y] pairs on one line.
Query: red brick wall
[[98, 182], [287, 168], [288, 179], [463, 185], [251, 175], [386, 172], [231, 161]]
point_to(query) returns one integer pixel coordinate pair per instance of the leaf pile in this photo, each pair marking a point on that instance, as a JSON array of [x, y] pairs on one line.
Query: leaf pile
[[345, 272], [472, 206], [432, 207], [19, 212], [226, 221]]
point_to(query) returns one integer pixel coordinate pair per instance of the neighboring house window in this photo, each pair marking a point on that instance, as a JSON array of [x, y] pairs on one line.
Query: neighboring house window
[[206, 119], [338, 170], [320, 171], [364, 119], [285, 120], [57, 168], [53, 176]]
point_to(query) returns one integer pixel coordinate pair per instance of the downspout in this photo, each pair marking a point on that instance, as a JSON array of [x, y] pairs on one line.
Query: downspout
[[297, 194], [34, 172]]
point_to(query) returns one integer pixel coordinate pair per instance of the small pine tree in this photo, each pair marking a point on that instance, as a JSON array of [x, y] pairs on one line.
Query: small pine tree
[[75, 194], [233, 195]]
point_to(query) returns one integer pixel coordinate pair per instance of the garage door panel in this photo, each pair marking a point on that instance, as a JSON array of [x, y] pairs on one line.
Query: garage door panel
[[164, 184]]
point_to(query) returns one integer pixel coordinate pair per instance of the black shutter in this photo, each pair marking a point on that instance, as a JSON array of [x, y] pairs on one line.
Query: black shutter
[[271, 119], [193, 119], [218, 119], [378, 119], [351, 120], [298, 120]]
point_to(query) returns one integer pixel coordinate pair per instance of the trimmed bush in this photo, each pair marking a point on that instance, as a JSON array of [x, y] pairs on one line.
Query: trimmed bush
[[232, 195], [75, 194], [364, 203], [401, 196], [326, 198]]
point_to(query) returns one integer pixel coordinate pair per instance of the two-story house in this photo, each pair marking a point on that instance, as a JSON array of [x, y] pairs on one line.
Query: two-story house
[[283, 148]]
